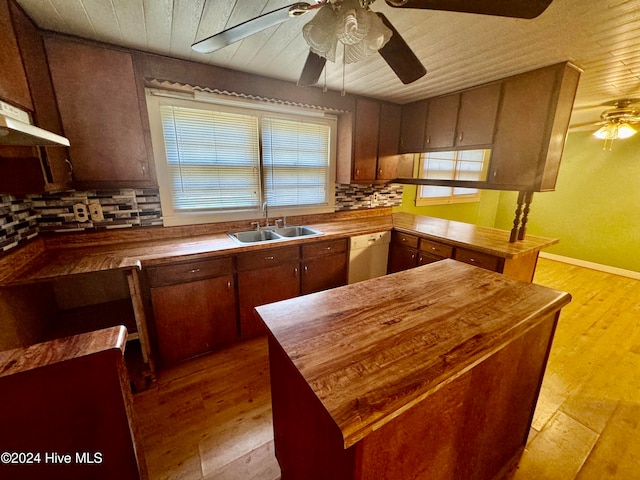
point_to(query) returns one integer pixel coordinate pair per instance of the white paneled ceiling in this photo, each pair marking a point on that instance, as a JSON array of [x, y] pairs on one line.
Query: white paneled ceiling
[[459, 50]]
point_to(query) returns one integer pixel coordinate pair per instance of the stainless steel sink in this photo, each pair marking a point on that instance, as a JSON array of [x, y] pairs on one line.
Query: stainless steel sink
[[296, 231], [273, 234]]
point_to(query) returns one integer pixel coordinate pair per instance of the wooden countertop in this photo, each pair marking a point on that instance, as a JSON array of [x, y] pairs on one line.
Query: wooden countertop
[[67, 255], [493, 241], [60, 350], [373, 349]]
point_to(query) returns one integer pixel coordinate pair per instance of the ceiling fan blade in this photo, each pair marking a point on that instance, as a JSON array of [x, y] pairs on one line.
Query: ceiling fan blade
[[312, 69], [250, 27], [400, 57], [501, 8]]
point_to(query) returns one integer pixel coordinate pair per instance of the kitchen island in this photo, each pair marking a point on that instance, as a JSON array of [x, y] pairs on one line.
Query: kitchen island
[[432, 372]]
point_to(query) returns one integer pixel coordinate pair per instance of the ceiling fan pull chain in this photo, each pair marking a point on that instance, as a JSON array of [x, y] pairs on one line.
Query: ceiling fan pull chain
[[344, 66]]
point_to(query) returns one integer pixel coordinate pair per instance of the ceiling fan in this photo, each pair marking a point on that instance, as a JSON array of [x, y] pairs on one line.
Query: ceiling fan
[[617, 122], [362, 31]]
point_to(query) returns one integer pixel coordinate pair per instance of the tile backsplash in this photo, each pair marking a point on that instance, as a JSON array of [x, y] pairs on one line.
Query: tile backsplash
[[120, 209], [23, 219]]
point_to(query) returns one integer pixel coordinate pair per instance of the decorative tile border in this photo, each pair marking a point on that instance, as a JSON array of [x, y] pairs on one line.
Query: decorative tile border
[[357, 197]]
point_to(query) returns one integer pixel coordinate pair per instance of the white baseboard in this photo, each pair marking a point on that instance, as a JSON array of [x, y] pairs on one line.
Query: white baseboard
[[593, 266]]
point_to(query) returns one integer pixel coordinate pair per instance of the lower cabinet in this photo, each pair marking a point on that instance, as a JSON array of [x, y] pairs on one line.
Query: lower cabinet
[[324, 265], [403, 252], [265, 276], [194, 307]]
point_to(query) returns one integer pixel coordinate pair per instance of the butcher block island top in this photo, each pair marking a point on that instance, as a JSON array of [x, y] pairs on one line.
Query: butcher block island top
[[372, 350]]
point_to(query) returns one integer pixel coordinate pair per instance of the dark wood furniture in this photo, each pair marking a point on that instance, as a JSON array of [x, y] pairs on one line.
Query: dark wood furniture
[[419, 240], [97, 93], [523, 120], [434, 371], [194, 307], [68, 403]]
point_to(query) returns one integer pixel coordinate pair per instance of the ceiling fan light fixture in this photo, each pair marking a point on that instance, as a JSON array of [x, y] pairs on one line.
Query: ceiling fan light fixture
[[625, 130], [360, 30], [614, 130]]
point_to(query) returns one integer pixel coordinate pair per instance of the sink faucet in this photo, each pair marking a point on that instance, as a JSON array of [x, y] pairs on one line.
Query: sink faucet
[[265, 212]]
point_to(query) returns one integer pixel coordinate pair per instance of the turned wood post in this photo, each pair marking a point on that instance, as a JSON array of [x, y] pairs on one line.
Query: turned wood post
[[520, 225]]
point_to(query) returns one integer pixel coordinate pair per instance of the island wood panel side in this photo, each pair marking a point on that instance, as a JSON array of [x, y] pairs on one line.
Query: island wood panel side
[[308, 443], [471, 427]]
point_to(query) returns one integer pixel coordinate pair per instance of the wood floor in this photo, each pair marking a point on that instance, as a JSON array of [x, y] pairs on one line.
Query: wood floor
[[210, 418]]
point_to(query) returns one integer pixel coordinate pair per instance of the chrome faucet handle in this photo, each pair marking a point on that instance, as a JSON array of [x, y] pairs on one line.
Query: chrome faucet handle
[[256, 224]]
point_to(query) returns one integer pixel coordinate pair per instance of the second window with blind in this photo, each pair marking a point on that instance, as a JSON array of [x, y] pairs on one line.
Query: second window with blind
[[219, 162]]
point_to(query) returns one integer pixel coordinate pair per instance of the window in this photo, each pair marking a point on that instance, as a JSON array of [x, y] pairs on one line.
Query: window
[[219, 162], [469, 165]]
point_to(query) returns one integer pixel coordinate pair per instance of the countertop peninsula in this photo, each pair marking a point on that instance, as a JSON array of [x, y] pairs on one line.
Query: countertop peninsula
[[372, 351]]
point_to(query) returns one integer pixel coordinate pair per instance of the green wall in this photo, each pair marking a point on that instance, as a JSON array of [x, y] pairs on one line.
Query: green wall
[[480, 213], [594, 211]]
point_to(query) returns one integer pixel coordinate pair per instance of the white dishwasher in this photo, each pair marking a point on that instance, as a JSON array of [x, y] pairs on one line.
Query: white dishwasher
[[368, 256]]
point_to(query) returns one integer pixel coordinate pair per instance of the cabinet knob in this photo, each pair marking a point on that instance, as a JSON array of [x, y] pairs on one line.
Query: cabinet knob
[[380, 172], [228, 284], [195, 270], [428, 139], [270, 257], [460, 136], [295, 272]]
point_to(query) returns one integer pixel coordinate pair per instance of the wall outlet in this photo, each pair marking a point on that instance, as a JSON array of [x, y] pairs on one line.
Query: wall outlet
[[80, 212], [95, 209]]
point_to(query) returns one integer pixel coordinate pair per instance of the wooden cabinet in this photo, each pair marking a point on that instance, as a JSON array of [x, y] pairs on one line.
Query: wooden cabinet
[[368, 144], [391, 164], [57, 168], [414, 117], [442, 114], [265, 276], [101, 114], [194, 307], [365, 145], [531, 128], [432, 251], [403, 252], [477, 116], [324, 265], [479, 259], [13, 79]]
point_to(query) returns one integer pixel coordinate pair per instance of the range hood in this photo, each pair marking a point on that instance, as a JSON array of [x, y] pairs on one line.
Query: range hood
[[16, 129]]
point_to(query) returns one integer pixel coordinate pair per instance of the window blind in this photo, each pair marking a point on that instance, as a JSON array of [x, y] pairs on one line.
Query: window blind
[[295, 161], [213, 158]]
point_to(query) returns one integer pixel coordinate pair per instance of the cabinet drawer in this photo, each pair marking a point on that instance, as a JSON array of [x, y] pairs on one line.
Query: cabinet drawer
[[435, 248], [319, 249], [479, 259], [189, 271], [267, 258], [404, 239]]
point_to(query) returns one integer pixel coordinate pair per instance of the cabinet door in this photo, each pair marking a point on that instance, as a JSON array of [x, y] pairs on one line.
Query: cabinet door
[[442, 114], [13, 80], [324, 265], [391, 164], [193, 318], [262, 286], [477, 116], [414, 117], [57, 167], [98, 102], [365, 152], [521, 128], [401, 258]]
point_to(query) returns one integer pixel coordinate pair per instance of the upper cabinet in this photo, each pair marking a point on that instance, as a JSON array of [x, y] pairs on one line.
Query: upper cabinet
[[523, 120], [13, 79], [100, 107], [368, 144], [55, 161], [532, 125]]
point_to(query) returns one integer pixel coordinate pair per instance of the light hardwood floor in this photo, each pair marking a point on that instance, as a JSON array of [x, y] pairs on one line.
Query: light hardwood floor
[[210, 418]]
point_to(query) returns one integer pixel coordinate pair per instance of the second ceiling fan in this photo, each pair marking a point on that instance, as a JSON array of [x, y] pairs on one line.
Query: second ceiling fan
[[362, 31]]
